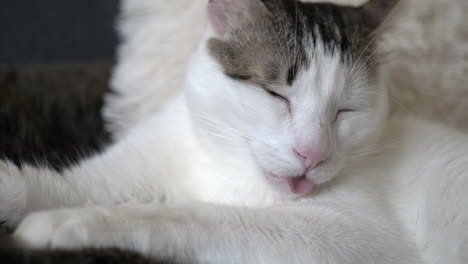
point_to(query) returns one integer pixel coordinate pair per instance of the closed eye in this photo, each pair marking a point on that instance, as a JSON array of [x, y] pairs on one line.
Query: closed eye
[[239, 77], [279, 96], [342, 112]]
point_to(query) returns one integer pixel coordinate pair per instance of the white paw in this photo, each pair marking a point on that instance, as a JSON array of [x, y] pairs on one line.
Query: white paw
[[12, 194], [67, 229]]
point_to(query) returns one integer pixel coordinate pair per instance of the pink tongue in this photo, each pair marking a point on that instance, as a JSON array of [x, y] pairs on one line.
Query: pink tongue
[[300, 185]]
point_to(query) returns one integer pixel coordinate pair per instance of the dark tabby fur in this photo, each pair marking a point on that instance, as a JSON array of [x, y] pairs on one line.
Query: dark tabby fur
[[249, 51]]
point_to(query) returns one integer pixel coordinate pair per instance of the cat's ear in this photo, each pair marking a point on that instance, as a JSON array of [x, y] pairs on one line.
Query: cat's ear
[[224, 15], [376, 11]]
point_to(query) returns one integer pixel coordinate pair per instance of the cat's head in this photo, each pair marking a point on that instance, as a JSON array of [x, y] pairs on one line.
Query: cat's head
[[292, 83]]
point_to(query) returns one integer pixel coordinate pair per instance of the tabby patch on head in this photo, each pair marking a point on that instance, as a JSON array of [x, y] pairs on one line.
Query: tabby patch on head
[[269, 41]]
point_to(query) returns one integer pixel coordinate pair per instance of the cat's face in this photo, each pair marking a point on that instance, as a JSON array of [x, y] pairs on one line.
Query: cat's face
[[291, 83]]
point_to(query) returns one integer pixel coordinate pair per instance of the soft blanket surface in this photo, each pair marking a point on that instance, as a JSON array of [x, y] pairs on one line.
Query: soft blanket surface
[[51, 114]]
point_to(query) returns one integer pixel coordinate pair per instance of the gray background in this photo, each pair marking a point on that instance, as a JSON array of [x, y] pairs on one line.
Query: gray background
[[43, 31]]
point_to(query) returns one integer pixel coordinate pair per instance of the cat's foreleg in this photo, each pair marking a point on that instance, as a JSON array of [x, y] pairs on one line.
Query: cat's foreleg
[[129, 172], [26, 189], [203, 233]]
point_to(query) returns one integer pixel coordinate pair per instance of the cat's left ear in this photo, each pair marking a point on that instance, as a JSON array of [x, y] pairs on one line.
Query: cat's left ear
[[375, 12], [224, 15]]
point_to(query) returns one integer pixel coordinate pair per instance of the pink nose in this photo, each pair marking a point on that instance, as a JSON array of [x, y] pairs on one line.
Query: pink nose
[[310, 158]]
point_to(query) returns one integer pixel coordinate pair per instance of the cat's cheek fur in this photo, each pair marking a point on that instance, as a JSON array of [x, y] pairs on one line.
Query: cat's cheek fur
[[358, 131]]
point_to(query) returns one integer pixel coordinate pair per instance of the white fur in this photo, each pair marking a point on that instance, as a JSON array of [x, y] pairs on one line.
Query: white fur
[[397, 198]]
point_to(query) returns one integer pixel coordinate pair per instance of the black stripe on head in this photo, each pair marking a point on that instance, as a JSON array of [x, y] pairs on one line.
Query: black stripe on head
[[325, 22], [296, 34], [292, 72]]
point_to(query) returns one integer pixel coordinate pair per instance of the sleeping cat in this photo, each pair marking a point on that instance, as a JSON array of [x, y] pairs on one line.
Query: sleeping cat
[[277, 150]]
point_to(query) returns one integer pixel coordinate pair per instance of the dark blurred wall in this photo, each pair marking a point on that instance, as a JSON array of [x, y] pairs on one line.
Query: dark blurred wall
[[38, 31]]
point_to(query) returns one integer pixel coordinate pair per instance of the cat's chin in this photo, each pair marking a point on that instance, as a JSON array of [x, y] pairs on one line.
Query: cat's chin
[[297, 185]]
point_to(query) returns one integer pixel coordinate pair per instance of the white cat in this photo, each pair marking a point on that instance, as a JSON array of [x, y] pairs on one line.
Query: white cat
[[278, 150]]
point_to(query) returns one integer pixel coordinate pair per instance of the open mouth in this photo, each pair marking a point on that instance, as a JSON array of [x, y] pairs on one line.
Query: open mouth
[[297, 185]]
